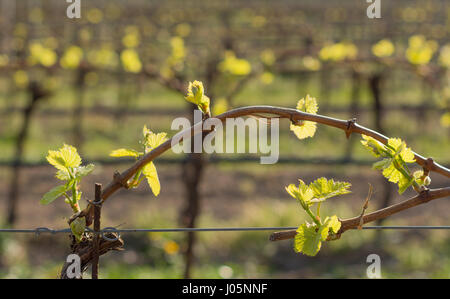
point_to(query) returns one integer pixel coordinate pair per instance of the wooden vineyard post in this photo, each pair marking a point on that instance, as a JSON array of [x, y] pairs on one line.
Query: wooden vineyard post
[[97, 213]]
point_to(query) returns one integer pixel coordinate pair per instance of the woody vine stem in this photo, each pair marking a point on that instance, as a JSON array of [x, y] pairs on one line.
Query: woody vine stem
[[348, 126]]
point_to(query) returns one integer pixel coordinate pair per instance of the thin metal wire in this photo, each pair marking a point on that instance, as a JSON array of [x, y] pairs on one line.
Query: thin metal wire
[[42, 230]]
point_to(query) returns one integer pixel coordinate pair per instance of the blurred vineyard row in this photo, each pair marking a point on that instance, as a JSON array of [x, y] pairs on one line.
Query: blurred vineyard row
[[228, 44], [93, 82]]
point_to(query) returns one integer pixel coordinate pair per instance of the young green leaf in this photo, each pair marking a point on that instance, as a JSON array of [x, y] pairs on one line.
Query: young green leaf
[[302, 193], [317, 191], [82, 171], [122, 152], [374, 146], [70, 155], [309, 237], [333, 223], [153, 140], [196, 95], [396, 154], [400, 148], [63, 175], [305, 129], [65, 157], [151, 174], [324, 189], [308, 240], [53, 194]]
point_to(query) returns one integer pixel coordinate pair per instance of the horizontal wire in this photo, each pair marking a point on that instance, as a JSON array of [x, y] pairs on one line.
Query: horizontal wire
[[41, 230]]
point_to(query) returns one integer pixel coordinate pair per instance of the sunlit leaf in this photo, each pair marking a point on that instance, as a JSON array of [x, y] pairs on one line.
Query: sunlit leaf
[[122, 152], [375, 147], [324, 189], [305, 129], [406, 153], [307, 240], [82, 171], [151, 175], [196, 95], [65, 157], [333, 223], [63, 175], [153, 140], [53, 194], [302, 193]]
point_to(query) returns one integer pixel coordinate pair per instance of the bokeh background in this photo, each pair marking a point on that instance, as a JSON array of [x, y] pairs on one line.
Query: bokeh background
[[94, 82]]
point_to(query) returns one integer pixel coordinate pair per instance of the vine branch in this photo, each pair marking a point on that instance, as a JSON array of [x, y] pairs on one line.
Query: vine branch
[[120, 180], [355, 222]]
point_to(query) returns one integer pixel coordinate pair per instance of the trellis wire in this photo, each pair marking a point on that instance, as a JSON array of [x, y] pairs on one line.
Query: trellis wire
[[40, 230]]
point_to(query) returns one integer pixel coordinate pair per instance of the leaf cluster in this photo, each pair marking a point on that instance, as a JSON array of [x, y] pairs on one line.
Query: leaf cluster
[[67, 161], [196, 95], [310, 236], [306, 128], [149, 142], [395, 156]]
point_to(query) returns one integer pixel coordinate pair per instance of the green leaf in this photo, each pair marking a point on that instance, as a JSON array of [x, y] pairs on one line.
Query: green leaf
[[404, 183], [308, 240], [55, 159], [151, 174], [324, 189], [153, 140], [305, 129], [400, 148], [122, 152], [308, 105], [84, 170], [63, 175], [392, 174], [65, 157], [53, 194], [380, 165], [196, 95], [396, 155], [374, 146], [309, 237], [333, 223], [70, 155], [302, 193]]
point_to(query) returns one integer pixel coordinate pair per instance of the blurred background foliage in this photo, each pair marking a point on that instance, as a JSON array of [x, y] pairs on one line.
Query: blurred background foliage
[[95, 81]]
